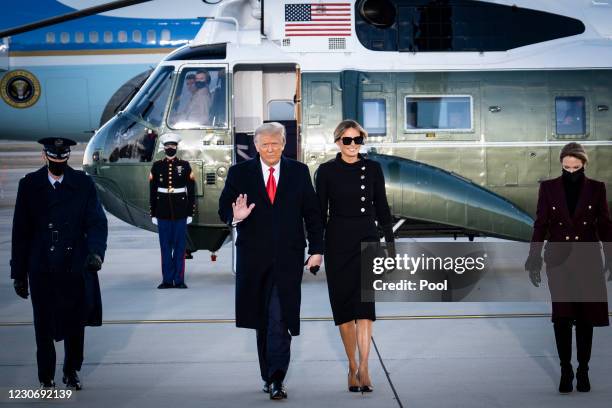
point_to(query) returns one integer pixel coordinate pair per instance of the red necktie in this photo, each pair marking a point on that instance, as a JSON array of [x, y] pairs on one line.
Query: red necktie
[[271, 186]]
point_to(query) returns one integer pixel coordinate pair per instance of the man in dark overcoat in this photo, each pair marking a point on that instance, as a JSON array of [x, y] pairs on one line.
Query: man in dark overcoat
[[58, 244], [269, 199]]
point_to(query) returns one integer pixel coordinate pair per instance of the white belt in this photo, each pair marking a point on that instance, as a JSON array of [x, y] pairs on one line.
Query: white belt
[[171, 190]]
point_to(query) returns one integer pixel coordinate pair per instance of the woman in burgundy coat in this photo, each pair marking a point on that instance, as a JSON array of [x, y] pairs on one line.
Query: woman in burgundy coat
[[573, 209]]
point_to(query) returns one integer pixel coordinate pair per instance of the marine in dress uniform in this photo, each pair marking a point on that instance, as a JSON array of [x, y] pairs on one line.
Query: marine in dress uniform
[[172, 202], [573, 209], [58, 244]]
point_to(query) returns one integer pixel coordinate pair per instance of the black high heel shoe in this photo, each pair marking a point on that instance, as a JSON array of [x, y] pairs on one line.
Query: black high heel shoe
[[364, 388], [353, 388]]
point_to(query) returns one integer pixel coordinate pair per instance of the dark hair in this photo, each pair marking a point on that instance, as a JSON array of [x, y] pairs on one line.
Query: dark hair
[[576, 150], [348, 124], [202, 71]]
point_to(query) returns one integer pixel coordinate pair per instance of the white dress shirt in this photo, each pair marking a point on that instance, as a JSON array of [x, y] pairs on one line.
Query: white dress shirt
[[266, 171], [52, 180]]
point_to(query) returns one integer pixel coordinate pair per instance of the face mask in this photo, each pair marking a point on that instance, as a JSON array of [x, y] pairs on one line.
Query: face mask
[[201, 84], [57, 168], [573, 176], [170, 151]]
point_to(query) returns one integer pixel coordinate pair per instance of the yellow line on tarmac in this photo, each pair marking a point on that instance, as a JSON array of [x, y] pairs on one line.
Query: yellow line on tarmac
[[315, 319]]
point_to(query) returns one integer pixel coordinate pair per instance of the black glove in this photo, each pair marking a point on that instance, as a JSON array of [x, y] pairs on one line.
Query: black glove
[[93, 262], [533, 265], [390, 249], [535, 278], [21, 288], [313, 269]]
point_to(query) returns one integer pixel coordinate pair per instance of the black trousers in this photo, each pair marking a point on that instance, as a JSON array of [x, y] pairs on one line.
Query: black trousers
[[584, 342], [45, 351], [273, 341]]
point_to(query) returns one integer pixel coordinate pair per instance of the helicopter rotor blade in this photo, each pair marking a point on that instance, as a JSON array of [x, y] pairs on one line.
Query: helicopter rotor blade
[[70, 16]]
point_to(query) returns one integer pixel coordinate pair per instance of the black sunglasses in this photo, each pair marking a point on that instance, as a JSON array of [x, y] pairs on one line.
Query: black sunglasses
[[346, 140]]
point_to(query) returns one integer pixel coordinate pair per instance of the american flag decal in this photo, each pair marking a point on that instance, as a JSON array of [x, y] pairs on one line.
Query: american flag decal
[[318, 19]]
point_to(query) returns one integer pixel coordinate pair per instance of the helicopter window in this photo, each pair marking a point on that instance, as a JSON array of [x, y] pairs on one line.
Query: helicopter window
[[570, 115], [200, 99], [132, 142], [281, 110], [375, 116], [150, 103], [448, 113]]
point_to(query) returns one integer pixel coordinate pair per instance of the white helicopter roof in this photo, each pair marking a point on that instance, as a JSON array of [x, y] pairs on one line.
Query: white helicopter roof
[[238, 23]]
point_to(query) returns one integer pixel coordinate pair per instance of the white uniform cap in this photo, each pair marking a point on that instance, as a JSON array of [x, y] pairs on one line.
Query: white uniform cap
[[170, 138]]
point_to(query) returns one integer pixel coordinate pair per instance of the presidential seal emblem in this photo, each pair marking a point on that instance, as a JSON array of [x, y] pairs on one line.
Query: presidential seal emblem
[[20, 89]]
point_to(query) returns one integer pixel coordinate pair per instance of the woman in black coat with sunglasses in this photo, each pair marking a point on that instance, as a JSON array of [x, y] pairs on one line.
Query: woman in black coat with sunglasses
[[351, 189]]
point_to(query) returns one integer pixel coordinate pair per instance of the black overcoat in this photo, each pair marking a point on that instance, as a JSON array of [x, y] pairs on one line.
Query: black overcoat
[[53, 232], [271, 241], [590, 224]]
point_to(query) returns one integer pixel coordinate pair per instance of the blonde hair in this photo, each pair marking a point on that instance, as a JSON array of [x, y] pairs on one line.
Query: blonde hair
[[348, 124], [576, 150]]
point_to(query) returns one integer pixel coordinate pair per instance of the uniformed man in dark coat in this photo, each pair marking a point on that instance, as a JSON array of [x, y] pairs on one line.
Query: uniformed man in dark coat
[[172, 202], [58, 244], [270, 198]]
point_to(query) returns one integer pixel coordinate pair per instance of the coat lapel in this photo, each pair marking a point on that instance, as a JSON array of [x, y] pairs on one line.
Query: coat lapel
[[562, 198], [585, 193], [259, 181], [282, 182]]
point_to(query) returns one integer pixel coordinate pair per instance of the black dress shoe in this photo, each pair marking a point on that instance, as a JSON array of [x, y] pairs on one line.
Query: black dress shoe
[[164, 285], [582, 380], [47, 384], [181, 286], [566, 384], [266, 387], [72, 380], [277, 391]]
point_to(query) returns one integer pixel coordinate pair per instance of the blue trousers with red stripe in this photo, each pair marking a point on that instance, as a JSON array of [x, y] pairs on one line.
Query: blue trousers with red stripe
[[172, 241]]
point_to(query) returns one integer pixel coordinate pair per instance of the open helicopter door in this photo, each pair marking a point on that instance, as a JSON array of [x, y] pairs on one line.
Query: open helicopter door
[[265, 93]]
